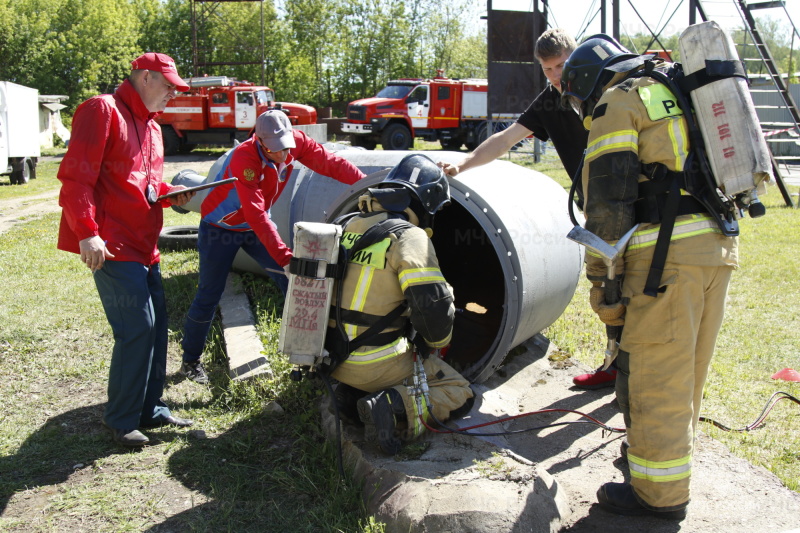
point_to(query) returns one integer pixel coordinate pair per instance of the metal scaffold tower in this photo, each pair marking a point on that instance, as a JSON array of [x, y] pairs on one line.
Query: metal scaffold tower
[[205, 54]]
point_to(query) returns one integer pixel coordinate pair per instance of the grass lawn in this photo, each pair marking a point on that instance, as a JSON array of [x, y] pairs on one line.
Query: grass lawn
[[247, 468], [244, 469]]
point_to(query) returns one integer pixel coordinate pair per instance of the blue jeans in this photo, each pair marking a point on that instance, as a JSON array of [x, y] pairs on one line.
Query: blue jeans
[[133, 299], [218, 248]]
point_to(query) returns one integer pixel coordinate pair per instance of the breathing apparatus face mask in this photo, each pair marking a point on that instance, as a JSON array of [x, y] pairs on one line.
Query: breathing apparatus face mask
[[585, 108]]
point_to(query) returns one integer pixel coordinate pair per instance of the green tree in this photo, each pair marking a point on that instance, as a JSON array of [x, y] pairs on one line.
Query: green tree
[[25, 25], [73, 47], [314, 34], [89, 48], [316, 51], [166, 27], [468, 58]]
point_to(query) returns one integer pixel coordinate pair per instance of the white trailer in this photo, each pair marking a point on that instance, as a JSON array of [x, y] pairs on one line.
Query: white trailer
[[19, 132]]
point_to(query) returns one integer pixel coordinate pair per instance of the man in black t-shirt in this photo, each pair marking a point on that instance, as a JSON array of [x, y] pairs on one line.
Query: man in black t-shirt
[[547, 120]]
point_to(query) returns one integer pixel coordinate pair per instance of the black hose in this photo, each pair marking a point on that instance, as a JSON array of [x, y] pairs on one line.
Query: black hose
[[577, 178], [340, 458], [760, 419]]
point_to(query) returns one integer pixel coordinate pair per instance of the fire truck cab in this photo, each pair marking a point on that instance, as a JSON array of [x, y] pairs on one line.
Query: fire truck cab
[[218, 110], [450, 111]]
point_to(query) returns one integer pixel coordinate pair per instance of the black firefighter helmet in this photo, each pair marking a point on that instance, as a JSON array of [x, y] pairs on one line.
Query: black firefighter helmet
[[416, 183], [590, 67]]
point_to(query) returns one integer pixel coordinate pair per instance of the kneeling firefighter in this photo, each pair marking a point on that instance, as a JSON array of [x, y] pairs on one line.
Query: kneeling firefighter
[[395, 284], [636, 170]]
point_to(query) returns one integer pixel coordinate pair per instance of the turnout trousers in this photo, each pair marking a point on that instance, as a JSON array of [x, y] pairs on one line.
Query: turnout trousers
[[665, 353], [448, 389]]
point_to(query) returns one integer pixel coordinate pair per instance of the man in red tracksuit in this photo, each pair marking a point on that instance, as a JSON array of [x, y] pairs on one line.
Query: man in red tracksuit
[[236, 215]]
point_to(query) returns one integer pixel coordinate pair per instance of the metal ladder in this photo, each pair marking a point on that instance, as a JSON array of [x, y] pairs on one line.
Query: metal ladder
[[763, 57]]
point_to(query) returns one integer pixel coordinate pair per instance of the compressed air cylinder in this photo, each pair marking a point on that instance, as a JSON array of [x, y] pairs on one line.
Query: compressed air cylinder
[[734, 141], [308, 300]]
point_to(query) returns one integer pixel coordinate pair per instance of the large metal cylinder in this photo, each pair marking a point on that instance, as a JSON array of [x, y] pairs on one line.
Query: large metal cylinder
[[501, 244]]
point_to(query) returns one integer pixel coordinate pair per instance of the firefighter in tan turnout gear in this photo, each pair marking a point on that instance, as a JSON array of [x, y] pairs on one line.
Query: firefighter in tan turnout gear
[[399, 274], [637, 144]]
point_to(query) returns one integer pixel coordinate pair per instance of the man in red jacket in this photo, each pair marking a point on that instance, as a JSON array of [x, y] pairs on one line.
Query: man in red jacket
[[236, 215], [111, 177]]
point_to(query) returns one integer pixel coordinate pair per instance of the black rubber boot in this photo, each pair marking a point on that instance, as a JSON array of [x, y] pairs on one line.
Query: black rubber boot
[[620, 498], [379, 412], [464, 409], [346, 398]]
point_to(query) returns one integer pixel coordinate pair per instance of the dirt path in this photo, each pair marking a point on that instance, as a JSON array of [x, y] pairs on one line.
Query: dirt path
[[728, 494], [20, 209]]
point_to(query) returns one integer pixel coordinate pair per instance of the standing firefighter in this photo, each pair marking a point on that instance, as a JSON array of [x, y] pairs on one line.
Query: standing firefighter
[[638, 145], [397, 276]]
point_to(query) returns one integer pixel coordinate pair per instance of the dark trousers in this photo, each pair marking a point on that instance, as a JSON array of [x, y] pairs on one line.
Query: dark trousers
[[218, 248], [133, 299]]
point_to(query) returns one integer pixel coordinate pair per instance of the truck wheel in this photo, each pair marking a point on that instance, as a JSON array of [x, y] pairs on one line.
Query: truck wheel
[[396, 137], [483, 133], [172, 143], [31, 165], [176, 238], [24, 174]]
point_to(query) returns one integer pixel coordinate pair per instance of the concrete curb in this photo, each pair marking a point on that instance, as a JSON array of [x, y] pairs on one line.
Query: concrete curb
[[457, 483], [242, 343]]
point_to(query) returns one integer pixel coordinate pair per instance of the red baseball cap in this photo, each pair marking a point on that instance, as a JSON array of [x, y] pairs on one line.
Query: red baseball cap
[[160, 63]]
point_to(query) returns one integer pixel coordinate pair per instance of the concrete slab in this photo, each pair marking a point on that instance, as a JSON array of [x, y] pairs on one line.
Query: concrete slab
[[242, 343]]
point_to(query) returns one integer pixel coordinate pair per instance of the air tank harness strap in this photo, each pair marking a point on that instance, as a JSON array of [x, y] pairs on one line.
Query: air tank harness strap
[[309, 268], [716, 69], [662, 201], [337, 342], [652, 198], [341, 347]]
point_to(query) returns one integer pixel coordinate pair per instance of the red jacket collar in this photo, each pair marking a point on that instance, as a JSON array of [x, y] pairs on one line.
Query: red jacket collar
[[131, 98]]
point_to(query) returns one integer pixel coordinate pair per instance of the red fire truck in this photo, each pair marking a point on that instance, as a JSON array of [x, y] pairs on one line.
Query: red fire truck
[[219, 109], [451, 111]]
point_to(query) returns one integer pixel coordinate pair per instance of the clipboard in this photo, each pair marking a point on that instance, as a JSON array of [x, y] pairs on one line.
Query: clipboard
[[198, 188]]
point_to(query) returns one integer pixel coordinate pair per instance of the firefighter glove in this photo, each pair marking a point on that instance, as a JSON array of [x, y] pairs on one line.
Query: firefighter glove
[[610, 314]]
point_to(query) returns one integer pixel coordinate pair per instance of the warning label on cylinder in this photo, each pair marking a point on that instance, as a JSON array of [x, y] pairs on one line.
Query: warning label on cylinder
[[307, 297]]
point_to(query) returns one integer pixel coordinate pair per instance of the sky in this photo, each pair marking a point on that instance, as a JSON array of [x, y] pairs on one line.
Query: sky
[[583, 15]]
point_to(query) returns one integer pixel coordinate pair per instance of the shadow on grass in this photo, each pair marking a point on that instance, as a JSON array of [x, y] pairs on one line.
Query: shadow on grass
[[51, 454], [269, 472]]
